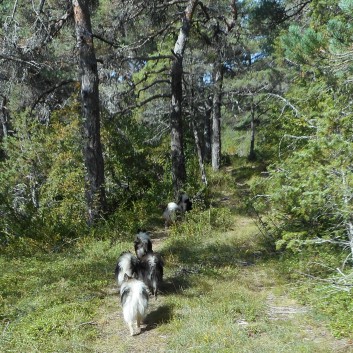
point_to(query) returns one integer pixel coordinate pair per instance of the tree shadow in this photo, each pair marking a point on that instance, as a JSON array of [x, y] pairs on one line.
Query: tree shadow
[[198, 258], [163, 314], [175, 285]]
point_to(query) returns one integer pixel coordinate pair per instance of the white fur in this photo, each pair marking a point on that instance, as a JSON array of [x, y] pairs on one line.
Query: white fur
[[171, 212], [135, 305], [125, 267]]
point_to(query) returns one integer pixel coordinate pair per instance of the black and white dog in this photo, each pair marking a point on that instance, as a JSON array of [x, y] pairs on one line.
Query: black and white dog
[[150, 271], [175, 210], [142, 244], [134, 301], [147, 265], [127, 264]]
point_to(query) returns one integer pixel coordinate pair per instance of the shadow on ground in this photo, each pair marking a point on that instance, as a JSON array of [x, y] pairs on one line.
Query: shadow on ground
[[159, 316]]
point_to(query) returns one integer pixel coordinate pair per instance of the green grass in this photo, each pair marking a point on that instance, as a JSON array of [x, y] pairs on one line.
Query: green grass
[[48, 300], [224, 291], [223, 306]]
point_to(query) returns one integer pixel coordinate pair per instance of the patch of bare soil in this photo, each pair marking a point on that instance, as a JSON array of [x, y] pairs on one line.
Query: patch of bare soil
[[283, 308]]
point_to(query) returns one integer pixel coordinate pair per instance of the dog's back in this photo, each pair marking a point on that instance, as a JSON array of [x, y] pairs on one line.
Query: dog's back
[[134, 301], [150, 271], [171, 213], [127, 264]]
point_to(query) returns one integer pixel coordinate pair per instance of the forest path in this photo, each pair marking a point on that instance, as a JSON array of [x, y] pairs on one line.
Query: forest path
[[282, 312], [114, 333]]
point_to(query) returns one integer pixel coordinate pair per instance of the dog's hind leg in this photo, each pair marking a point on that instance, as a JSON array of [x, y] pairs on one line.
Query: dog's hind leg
[[131, 327], [154, 289]]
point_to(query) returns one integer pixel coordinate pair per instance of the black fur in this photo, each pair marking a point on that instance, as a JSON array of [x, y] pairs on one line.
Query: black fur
[[150, 271], [142, 244], [184, 202]]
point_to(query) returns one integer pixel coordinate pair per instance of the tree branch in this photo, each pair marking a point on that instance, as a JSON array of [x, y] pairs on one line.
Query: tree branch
[[50, 90]]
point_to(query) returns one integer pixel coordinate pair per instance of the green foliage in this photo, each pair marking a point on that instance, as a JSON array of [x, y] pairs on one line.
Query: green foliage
[[197, 225], [303, 46], [266, 16], [48, 301], [346, 6], [42, 193]]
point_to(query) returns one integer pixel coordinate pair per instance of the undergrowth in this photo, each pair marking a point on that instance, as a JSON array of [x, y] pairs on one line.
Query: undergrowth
[[221, 278], [48, 300]]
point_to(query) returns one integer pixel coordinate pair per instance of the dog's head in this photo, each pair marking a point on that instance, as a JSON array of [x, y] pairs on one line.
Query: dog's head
[[184, 202], [142, 244]]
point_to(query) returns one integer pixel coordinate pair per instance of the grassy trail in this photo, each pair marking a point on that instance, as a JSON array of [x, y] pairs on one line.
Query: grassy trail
[[223, 292], [221, 295]]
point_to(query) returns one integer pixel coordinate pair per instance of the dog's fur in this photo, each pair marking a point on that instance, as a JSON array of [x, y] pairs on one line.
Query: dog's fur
[[142, 244], [184, 202], [150, 271], [127, 264], [174, 211], [134, 301]]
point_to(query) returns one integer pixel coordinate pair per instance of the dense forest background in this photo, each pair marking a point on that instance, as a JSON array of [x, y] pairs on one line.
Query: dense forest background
[[109, 108]]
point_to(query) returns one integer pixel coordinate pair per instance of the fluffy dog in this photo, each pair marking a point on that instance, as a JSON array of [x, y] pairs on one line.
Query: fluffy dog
[[127, 264], [142, 244], [134, 301], [184, 202], [174, 211], [150, 271]]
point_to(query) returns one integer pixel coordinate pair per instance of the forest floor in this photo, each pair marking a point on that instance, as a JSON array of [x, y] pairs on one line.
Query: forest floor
[[259, 311], [223, 291]]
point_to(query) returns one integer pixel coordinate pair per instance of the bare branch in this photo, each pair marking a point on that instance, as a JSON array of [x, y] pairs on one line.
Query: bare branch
[[151, 85], [50, 90]]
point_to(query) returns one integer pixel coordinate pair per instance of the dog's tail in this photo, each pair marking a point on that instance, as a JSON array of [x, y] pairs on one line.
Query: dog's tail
[[126, 265]]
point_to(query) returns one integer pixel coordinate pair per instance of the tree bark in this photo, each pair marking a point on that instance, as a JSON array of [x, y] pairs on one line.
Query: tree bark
[[92, 150], [252, 155], [216, 116], [176, 126], [200, 154], [207, 133]]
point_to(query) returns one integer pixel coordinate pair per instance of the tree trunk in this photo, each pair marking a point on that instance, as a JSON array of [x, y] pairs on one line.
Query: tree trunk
[[176, 126], [200, 154], [4, 117], [252, 156], [207, 134], [216, 116], [92, 150]]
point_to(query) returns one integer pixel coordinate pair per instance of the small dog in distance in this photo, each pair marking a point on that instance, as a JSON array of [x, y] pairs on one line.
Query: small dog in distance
[[175, 211]]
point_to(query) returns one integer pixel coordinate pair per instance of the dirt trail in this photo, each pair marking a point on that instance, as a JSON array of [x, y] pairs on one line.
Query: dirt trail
[[114, 333], [115, 338]]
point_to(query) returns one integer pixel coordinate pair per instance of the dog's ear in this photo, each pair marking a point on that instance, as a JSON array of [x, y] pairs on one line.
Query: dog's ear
[[126, 277]]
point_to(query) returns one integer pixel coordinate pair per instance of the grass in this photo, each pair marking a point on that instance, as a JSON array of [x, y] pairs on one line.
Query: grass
[[224, 307], [48, 300], [223, 292]]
